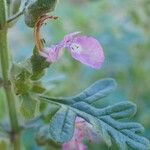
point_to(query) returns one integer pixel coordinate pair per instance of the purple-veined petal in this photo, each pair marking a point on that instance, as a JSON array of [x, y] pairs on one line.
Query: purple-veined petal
[[87, 50]]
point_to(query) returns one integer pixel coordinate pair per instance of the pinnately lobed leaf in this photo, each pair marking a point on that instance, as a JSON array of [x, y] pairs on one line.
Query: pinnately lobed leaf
[[104, 120], [36, 8], [64, 121], [96, 91]]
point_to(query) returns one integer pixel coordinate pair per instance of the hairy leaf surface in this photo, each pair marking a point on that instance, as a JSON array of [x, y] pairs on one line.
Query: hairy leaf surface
[[105, 120], [36, 8]]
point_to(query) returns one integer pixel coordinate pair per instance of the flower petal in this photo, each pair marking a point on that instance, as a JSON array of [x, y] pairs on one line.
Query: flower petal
[[87, 50], [53, 53], [69, 38]]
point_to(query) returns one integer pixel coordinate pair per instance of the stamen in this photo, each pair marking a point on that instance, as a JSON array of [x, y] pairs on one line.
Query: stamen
[[37, 28]]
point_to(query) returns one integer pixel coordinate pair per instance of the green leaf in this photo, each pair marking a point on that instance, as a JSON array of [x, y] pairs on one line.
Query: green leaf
[[15, 70], [50, 112], [28, 106], [104, 120], [37, 87], [96, 91], [62, 125], [22, 84], [21, 71], [15, 6], [26, 75], [36, 8], [39, 64]]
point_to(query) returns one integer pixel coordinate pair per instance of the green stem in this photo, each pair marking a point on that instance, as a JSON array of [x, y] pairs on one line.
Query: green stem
[[10, 96]]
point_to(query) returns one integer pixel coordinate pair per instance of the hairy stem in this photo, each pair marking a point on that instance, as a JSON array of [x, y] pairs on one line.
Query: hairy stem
[[10, 96]]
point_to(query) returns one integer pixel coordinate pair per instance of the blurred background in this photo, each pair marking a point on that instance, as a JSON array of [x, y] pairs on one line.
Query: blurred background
[[122, 28]]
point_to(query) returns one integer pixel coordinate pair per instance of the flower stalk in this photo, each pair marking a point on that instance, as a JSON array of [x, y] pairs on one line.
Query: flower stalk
[[5, 63]]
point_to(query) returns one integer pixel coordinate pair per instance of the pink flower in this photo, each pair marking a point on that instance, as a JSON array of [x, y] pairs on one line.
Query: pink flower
[[82, 130], [84, 49], [51, 54]]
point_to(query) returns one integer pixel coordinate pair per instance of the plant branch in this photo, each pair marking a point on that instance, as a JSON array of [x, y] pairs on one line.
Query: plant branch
[[5, 63], [20, 13], [14, 17]]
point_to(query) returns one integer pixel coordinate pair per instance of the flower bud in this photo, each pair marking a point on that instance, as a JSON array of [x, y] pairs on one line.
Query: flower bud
[[37, 8]]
